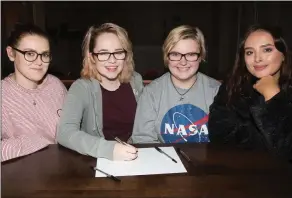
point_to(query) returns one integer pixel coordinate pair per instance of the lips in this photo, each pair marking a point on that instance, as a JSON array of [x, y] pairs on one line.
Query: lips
[[259, 67], [36, 69], [183, 68], [112, 68]]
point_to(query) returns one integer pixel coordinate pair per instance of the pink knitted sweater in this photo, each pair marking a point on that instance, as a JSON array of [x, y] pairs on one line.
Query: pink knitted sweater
[[30, 116]]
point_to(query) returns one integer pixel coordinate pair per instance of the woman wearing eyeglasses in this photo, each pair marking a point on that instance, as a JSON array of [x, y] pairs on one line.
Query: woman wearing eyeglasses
[[30, 98], [174, 108], [102, 104]]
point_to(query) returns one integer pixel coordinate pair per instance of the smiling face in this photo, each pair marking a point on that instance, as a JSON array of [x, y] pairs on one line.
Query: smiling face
[[261, 56], [25, 70], [111, 68], [184, 70]]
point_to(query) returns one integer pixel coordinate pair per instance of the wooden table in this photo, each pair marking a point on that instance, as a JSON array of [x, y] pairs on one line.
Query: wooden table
[[216, 172]]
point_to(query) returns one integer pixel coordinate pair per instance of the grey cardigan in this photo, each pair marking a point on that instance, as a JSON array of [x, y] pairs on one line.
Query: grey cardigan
[[81, 125]]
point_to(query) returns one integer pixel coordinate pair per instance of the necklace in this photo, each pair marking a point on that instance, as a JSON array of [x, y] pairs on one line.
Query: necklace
[[182, 95], [13, 78]]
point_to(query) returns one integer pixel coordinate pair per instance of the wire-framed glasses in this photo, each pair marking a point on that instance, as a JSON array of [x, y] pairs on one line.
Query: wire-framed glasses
[[176, 56], [31, 56], [104, 56]]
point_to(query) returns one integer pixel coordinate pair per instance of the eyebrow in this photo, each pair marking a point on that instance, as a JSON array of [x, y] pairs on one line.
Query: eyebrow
[[105, 50], [185, 53], [29, 49], [262, 46]]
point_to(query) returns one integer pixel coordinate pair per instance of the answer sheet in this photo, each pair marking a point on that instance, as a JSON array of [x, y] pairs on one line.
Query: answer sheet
[[148, 162]]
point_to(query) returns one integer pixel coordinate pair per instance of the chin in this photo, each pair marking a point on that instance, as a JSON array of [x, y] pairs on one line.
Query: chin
[[111, 77], [183, 75], [36, 79], [183, 78], [258, 75]]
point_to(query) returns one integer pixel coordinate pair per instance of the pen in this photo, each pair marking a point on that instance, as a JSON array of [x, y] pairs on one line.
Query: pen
[[120, 141], [161, 151], [108, 175], [184, 154]]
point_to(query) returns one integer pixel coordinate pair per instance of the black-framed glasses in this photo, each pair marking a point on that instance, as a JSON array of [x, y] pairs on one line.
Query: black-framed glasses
[[176, 56], [104, 56], [31, 56]]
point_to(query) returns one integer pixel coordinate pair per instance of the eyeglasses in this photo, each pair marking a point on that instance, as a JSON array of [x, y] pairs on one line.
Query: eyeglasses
[[104, 56], [176, 56], [31, 56]]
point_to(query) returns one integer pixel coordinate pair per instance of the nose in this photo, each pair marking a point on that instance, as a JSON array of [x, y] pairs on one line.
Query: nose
[[183, 60], [112, 59], [258, 57], [39, 61]]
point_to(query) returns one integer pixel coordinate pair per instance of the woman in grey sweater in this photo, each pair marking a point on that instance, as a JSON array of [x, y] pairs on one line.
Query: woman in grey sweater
[[175, 107], [101, 105]]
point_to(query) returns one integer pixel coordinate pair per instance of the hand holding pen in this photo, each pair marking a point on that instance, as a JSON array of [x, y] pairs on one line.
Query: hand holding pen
[[124, 151]]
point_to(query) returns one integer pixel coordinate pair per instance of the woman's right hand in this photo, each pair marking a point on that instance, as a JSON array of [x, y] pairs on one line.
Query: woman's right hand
[[124, 152]]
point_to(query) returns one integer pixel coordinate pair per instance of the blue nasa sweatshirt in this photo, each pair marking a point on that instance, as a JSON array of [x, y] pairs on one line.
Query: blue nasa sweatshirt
[[161, 117]]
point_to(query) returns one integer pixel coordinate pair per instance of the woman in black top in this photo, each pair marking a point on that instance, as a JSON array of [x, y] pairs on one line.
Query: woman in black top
[[253, 108]]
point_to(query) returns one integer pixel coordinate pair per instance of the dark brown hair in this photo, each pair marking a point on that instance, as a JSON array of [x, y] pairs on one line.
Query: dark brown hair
[[22, 30], [240, 77]]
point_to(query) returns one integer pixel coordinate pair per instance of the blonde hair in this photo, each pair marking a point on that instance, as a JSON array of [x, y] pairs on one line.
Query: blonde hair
[[89, 42], [180, 33]]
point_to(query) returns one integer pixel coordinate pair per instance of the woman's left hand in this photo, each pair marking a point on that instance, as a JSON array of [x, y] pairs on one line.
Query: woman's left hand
[[267, 86]]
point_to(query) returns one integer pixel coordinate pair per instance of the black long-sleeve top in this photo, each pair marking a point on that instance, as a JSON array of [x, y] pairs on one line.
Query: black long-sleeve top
[[252, 122]]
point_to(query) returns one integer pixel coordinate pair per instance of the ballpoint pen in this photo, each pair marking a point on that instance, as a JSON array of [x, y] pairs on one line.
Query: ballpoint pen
[[108, 175], [184, 154], [161, 151], [120, 141]]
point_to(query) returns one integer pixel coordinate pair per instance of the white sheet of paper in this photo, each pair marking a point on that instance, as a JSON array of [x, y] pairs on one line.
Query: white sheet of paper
[[148, 162]]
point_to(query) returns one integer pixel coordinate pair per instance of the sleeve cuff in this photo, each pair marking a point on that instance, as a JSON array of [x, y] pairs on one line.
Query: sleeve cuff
[[106, 149]]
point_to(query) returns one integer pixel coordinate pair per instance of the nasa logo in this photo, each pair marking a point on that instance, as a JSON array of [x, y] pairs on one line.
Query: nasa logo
[[185, 123]]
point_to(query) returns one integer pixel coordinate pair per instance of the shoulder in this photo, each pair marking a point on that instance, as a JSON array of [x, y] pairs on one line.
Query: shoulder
[[288, 94], [209, 81], [156, 87], [53, 80], [136, 79], [210, 86], [55, 83], [6, 83], [159, 83], [8, 90], [137, 76], [81, 82], [83, 85]]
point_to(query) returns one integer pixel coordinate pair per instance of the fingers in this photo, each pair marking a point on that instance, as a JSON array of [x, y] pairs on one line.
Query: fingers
[[131, 149], [124, 152], [132, 153], [131, 156]]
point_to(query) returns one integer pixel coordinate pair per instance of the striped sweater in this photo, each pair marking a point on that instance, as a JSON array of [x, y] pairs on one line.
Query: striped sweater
[[30, 116]]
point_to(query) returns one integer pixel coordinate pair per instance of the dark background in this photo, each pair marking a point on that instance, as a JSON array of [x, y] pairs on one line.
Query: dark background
[[148, 23]]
